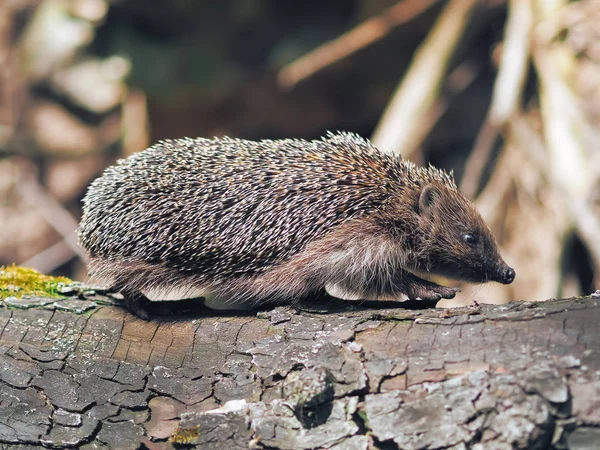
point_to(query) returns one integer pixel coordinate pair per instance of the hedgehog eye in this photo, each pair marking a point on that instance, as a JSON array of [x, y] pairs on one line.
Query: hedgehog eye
[[469, 239]]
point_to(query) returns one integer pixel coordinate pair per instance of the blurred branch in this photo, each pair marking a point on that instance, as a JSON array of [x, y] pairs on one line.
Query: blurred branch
[[398, 130], [53, 257], [459, 79], [12, 90], [51, 210], [478, 158], [588, 226], [565, 125], [528, 140], [135, 125], [363, 35], [493, 195], [563, 120], [564, 131], [508, 89]]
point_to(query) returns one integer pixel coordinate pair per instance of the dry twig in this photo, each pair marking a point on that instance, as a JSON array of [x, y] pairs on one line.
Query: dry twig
[[565, 126], [52, 211], [50, 259], [459, 80], [363, 35], [507, 94], [399, 128]]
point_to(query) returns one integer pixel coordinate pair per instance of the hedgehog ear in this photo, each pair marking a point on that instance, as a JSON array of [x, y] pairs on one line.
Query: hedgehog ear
[[428, 198]]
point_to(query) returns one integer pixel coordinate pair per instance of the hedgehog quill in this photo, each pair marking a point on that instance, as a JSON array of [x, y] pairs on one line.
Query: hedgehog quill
[[241, 222]]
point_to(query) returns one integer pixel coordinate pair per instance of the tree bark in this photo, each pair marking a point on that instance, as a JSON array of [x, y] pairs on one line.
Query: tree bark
[[522, 375]]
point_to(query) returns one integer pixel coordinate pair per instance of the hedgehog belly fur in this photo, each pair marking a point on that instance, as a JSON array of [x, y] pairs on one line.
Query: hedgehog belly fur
[[183, 292], [339, 291], [225, 303], [175, 292]]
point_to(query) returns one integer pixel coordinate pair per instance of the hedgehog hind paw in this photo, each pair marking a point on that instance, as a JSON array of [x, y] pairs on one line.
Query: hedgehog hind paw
[[137, 304]]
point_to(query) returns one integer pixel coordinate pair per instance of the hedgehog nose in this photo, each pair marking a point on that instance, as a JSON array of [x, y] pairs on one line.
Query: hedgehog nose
[[508, 275]]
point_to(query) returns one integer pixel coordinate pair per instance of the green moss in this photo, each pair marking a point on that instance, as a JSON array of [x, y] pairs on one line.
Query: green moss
[[363, 415], [185, 436], [16, 281]]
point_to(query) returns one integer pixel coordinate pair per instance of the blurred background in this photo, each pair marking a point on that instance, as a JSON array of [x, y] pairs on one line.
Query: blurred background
[[505, 93]]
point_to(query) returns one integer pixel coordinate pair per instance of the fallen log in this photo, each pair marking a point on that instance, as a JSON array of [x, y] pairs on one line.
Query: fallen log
[[83, 372]]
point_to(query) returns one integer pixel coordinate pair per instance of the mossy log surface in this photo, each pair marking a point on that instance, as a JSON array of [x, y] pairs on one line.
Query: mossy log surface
[[523, 375]]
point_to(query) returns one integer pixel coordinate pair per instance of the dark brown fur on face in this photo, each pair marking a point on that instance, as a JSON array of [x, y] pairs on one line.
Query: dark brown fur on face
[[452, 238], [243, 221]]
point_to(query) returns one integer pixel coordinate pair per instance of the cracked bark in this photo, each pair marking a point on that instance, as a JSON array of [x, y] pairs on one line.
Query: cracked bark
[[84, 373]]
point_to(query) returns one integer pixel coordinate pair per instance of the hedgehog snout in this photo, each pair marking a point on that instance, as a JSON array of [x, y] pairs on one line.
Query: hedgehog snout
[[505, 274]]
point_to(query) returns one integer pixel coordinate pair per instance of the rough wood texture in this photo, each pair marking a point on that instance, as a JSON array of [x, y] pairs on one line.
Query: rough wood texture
[[524, 375]]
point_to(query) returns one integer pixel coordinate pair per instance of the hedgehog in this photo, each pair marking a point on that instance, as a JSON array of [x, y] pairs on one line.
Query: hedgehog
[[242, 222]]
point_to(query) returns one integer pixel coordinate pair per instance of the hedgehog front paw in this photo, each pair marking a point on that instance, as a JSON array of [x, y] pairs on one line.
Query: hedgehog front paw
[[425, 290], [447, 292]]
